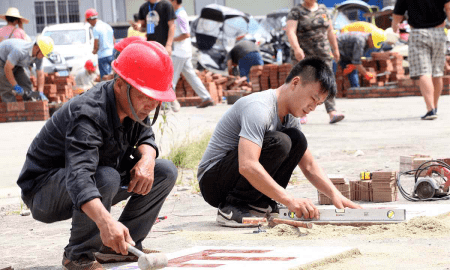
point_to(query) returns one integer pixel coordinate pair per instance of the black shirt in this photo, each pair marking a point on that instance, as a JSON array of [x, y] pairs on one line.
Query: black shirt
[[241, 49], [422, 13], [83, 134], [164, 13]]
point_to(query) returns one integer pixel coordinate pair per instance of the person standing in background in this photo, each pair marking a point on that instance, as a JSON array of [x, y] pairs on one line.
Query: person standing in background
[[310, 33], [104, 41], [12, 16], [182, 58], [156, 18], [426, 50]]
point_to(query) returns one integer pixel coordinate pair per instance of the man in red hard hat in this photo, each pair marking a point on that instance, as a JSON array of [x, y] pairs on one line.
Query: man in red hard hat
[[98, 150], [103, 41], [86, 78]]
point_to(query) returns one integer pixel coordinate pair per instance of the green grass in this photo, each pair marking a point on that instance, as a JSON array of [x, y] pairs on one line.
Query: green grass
[[189, 154]]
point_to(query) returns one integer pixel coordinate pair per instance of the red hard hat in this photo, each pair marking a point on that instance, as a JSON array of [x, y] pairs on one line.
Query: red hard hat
[[147, 66], [89, 65], [119, 46], [91, 14]]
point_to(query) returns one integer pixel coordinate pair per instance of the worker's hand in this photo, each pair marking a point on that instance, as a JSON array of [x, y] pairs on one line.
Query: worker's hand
[[18, 89], [304, 207], [336, 56], [169, 49], [116, 236], [142, 176], [342, 202], [42, 96], [299, 55], [369, 76]]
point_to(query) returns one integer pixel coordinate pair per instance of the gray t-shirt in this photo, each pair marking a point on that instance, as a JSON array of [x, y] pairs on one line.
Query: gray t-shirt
[[250, 117], [19, 53]]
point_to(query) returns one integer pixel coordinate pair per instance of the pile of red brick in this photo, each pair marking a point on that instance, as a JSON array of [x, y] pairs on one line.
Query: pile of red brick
[[269, 76], [391, 80], [213, 83], [261, 78], [58, 88]]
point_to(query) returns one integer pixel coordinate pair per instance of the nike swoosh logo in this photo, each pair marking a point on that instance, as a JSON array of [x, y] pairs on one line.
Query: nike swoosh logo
[[263, 210], [228, 216]]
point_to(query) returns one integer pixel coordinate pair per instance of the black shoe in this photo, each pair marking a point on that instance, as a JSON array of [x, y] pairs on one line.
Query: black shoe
[[431, 115], [231, 215], [260, 209]]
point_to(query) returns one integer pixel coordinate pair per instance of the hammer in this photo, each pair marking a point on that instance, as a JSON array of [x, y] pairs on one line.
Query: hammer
[[149, 261]]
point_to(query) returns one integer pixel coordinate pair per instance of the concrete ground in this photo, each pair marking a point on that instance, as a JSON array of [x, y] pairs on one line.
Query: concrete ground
[[372, 137]]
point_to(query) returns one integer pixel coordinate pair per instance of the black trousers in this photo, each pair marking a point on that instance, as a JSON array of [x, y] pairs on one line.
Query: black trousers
[[280, 154], [52, 203]]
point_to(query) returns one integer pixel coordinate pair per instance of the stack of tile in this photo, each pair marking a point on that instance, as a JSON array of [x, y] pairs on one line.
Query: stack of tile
[[366, 190], [413, 162], [355, 192], [384, 186], [361, 190], [341, 183]]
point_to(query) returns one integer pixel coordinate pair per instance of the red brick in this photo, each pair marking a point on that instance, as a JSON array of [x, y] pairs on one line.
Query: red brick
[[15, 106]]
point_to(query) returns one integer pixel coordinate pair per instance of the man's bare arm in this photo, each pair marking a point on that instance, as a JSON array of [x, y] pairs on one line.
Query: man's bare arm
[[396, 20], [317, 177]]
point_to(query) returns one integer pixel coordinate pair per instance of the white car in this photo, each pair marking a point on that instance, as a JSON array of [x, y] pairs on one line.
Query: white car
[[74, 43]]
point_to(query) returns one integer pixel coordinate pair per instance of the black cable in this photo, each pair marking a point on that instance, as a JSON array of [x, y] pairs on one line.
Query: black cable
[[423, 167]]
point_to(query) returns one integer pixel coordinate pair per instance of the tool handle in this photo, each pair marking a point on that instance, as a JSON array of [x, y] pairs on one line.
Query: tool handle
[[135, 251], [294, 223]]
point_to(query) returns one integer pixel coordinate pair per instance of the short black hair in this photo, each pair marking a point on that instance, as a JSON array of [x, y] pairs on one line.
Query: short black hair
[[136, 17], [11, 19], [315, 69], [179, 2]]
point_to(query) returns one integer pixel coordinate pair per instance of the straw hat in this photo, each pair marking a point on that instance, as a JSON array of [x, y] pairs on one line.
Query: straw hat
[[13, 12]]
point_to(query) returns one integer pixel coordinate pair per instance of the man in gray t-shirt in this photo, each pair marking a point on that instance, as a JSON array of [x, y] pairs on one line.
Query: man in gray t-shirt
[[16, 55], [258, 143]]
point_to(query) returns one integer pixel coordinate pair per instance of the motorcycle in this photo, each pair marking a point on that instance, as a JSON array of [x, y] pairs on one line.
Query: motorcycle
[[215, 33], [275, 48]]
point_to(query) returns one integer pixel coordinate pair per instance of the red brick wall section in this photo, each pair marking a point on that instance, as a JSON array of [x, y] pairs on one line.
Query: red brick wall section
[[24, 111]]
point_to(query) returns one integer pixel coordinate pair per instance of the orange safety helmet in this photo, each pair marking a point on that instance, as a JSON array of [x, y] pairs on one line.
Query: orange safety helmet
[[147, 66], [91, 14], [89, 65], [119, 46]]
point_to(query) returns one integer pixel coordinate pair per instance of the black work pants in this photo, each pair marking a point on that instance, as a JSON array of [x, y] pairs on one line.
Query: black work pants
[[280, 153], [52, 203]]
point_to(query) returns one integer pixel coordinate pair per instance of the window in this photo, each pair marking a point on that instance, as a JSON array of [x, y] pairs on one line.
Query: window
[[55, 11]]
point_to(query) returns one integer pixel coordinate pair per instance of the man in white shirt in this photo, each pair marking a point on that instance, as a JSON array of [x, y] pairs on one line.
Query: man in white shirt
[[182, 55]]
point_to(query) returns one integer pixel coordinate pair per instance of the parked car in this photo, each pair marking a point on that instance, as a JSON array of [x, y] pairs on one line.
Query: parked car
[[74, 43]]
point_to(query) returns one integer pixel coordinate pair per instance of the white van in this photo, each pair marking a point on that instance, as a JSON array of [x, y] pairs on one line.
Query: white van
[[74, 42]]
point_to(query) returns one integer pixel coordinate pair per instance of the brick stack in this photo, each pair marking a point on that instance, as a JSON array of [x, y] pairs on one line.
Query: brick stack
[[264, 81], [341, 183], [361, 190], [214, 83], [58, 88], [384, 186], [24, 111], [283, 72], [255, 75], [393, 82]]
